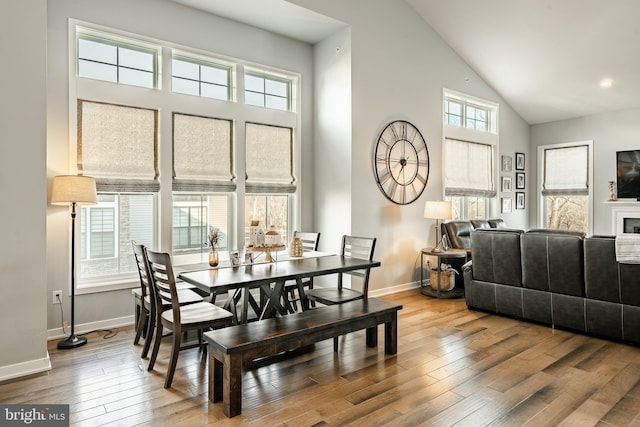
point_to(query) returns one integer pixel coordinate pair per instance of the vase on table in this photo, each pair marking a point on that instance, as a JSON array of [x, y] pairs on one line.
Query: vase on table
[[214, 258]]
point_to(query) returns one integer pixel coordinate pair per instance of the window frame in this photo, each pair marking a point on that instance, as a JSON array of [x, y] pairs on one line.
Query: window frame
[[274, 77], [462, 133], [540, 214], [201, 61], [161, 98]]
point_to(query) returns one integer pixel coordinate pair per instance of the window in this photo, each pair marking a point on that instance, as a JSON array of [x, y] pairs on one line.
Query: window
[[565, 191], [200, 78], [470, 132], [116, 138], [116, 60], [265, 90], [270, 210], [457, 112], [106, 233]]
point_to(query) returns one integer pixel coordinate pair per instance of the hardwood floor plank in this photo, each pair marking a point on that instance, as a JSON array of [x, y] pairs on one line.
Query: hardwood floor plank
[[453, 367]]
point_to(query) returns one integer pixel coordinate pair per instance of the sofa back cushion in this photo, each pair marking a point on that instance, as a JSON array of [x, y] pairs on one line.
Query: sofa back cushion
[[458, 233], [606, 279], [496, 256], [552, 260], [480, 223]]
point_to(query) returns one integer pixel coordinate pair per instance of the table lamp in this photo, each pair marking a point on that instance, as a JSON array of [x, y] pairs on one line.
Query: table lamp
[[437, 210], [73, 190]]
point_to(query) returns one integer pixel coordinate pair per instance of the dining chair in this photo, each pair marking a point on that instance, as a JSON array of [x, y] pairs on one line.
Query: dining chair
[[178, 318], [356, 247], [146, 307], [291, 296]]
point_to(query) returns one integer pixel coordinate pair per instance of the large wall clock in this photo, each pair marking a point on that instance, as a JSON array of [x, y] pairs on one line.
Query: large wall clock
[[401, 162]]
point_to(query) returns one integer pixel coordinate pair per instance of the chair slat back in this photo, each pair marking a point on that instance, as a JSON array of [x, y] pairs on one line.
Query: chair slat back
[[143, 269], [164, 282], [358, 247], [309, 240]]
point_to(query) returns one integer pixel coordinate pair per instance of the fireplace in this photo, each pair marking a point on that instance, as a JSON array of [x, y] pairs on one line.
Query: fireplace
[[625, 217]]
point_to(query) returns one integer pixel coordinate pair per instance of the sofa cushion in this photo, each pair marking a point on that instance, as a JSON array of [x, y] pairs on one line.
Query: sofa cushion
[[458, 233], [601, 272], [498, 253], [480, 223], [553, 261]]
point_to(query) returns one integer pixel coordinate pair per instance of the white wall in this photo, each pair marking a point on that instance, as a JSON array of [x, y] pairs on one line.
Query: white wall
[[166, 21], [23, 257], [610, 132], [399, 67]]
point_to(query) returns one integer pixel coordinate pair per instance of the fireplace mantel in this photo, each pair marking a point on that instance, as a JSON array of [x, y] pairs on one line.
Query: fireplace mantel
[[621, 210]]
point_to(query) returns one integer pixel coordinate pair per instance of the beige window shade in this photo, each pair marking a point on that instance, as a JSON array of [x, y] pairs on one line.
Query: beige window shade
[[202, 154], [468, 169], [566, 171], [269, 159], [117, 145]]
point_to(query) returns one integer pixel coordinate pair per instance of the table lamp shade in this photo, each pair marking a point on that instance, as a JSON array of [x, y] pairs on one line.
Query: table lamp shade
[[437, 209], [77, 189]]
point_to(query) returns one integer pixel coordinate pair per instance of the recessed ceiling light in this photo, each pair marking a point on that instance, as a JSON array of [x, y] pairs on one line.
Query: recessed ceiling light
[[606, 83]]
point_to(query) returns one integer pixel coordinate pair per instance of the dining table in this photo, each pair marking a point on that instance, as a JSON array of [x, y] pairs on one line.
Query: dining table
[[238, 281]]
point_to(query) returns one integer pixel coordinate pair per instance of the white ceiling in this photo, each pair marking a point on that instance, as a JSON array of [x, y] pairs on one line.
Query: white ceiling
[[545, 57]]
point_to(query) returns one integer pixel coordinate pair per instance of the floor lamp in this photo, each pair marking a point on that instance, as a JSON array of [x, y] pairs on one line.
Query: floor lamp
[[73, 190], [437, 210]]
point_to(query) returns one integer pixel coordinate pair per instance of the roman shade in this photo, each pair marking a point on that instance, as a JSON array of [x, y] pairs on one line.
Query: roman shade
[[202, 154], [468, 169], [566, 171], [269, 159], [118, 146]]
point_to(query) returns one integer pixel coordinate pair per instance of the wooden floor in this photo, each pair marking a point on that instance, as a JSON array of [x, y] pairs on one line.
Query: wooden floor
[[453, 367]]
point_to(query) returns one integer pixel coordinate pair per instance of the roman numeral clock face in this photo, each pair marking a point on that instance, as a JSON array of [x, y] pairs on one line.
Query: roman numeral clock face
[[401, 162]]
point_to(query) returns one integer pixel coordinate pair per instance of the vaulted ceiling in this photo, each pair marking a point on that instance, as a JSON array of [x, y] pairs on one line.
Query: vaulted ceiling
[[549, 59]]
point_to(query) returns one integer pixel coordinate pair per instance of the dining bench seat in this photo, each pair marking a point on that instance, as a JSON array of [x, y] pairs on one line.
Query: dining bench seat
[[232, 347]]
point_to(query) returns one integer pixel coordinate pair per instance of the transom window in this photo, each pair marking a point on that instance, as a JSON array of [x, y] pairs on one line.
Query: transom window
[[116, 60], [462, 113], [262, 89], [200, 78]]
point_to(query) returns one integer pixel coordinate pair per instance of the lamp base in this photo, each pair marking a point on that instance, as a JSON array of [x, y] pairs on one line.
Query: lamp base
[[72, 341]]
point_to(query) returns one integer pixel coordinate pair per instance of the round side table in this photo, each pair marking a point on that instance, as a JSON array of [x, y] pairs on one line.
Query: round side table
[[440, 255]]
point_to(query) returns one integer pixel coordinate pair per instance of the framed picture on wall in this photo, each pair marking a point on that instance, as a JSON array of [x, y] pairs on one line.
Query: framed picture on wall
[[519, 199], [506, 184], [519, 161], [519, 180], [506, 204], [507, 162]]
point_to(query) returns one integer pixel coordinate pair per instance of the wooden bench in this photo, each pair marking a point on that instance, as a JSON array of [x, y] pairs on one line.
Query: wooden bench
[[231, 347]]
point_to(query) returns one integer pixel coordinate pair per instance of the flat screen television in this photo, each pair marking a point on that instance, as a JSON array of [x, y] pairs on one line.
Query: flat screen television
[[628, 174]]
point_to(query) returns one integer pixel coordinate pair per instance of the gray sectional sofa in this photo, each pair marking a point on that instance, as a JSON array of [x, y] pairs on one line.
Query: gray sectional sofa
[[557, 278]]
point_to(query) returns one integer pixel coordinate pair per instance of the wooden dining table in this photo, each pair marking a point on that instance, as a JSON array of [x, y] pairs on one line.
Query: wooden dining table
[[269, 278]]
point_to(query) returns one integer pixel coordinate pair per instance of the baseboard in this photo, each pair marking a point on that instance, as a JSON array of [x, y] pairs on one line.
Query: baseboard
[[25, 368], [84, 328], [394, 289]]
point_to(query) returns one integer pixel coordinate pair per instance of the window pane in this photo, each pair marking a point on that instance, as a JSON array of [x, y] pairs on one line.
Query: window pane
[[252, 98], [274, 87], [136, 59], [94, 70], [136, 78], [106, 238], [187, 70], [193, 215], [566, 212], [253, 83], [268, 210], [215, 91], [100, 52], [187, 87], [276, 103], [214, 75]]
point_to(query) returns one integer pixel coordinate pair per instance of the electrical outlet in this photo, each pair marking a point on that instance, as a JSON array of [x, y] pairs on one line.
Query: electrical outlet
[[57, 297]]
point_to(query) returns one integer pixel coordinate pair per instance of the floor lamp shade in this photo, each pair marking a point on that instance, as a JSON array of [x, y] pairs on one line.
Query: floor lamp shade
[[69, 189], [438, 210], [73, 190]]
